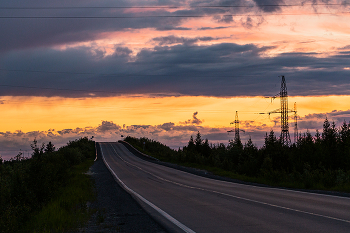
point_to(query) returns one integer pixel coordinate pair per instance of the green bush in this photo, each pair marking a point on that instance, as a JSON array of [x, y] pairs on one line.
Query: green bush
[[27, 186]]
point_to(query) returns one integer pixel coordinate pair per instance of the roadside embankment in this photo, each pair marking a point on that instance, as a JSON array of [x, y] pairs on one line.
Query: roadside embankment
[[115, 209]]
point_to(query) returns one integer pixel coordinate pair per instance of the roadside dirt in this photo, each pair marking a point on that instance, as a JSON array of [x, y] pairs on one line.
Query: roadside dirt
[[116, 210]]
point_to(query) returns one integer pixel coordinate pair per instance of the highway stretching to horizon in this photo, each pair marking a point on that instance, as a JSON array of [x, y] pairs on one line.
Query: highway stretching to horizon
[[184, 202]]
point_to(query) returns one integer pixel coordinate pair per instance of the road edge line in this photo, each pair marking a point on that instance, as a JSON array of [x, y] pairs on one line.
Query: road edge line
[[156, 208]]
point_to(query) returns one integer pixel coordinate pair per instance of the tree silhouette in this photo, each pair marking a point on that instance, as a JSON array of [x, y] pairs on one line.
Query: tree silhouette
[[49, 148], [37, 151], [191, 146], [198, 142]]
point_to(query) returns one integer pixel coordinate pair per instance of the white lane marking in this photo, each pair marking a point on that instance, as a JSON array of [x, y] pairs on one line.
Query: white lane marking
[[162, 212], [229, 195]]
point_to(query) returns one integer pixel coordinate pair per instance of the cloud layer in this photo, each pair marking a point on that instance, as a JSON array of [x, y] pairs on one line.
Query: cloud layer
[[175, 135], [221, 48], [225, 69]]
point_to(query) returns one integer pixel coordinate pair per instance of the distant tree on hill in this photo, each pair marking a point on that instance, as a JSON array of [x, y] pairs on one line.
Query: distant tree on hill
[[49, 148], [37, 151], [191, 144], [198, 141]]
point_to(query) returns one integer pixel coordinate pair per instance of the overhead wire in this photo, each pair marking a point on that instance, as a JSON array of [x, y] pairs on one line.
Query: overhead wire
[[163, 16], [121, 75], [170, 7]]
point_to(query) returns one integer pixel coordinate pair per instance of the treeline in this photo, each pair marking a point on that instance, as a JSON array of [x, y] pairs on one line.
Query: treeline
[[27, 185], [320, 162]]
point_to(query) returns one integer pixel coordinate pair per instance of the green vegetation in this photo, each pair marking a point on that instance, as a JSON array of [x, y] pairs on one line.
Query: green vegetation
[[49, 192], [320, 162]]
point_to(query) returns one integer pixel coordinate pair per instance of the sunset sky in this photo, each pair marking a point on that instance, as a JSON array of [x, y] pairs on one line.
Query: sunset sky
[[166, 69]]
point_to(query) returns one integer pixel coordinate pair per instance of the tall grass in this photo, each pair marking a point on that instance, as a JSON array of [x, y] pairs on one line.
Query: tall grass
[[70, 208]]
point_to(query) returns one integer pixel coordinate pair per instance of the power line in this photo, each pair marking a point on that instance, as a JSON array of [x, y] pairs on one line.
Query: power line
[[49, 72], [170, 7], [164, 16], [126, 75]]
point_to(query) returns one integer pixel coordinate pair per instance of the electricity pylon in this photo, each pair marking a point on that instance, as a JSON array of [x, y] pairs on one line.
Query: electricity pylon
[[285, 138], [237, 138], [236, 122]]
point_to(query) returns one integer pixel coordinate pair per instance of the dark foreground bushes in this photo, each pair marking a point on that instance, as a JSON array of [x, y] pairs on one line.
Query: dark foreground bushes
[[28, 185]]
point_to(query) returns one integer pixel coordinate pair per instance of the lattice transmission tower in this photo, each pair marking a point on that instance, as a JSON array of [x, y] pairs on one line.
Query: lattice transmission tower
[[285, 137], [237, 138], [236, 122]]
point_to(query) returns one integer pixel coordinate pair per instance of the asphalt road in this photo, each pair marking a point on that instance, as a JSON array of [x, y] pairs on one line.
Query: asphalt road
[[199, 204]]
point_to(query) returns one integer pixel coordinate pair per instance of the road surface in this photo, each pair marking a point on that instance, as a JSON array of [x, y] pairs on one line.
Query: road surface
[[190, 203]]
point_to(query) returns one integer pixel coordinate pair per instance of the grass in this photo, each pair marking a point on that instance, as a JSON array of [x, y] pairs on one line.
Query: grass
[[69, 209]]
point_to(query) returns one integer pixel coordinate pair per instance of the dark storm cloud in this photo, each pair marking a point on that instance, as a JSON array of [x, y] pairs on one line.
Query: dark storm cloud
[[30, 33], [122, 51], [168, 40], [211, 28], [17, 33], [225, 69], [224, 3], [269, 5], [170, 28]]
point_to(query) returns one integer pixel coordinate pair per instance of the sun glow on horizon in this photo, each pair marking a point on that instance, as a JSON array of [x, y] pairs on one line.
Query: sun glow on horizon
[[43, 113]]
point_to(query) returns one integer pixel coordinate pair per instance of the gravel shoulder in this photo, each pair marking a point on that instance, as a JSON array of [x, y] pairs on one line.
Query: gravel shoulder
[[116, 210]]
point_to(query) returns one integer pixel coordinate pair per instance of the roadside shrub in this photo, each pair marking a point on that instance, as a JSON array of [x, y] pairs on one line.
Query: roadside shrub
[[26, 186]]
